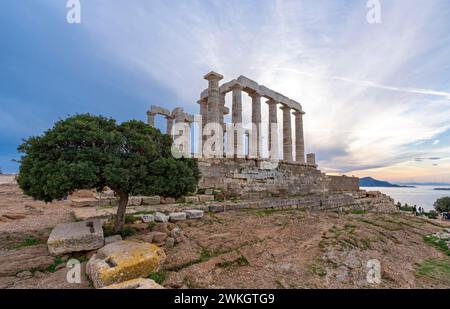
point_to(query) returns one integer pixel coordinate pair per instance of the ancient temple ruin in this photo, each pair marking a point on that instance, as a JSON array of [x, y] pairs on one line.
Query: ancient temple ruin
[[245, 171]]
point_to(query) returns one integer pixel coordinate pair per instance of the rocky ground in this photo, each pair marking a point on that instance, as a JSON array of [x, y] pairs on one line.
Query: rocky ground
[[242, 249]]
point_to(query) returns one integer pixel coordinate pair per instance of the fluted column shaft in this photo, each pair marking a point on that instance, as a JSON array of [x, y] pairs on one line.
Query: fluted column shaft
[[169, 125], [256, 120], [299, 139], [287, 134], [151, 119], [237, 117], [273, 125]]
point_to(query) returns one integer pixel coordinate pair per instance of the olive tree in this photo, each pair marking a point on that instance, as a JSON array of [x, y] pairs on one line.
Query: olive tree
[[94, 152], [442, 204]]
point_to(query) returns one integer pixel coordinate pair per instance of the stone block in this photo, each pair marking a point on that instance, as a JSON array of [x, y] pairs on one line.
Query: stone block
[[168, 200], [206, 197], [84, 202], [122, 261], [111, 239], [75, 237], [135, 284], [151, 200], [177, 216], [147, 218], [191, 199], [135, 201], [160, 217], [209, 191], [216, 208], [158, 237], [194, 213]]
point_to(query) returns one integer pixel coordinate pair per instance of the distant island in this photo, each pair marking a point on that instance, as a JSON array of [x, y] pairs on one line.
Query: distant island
[[371, 182], [442, 189]]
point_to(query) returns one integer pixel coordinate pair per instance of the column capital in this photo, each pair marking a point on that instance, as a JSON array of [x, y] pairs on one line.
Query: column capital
[[236, 86], [285, 108], [213, 76], [255, 94], [150, 113], [299, 112]]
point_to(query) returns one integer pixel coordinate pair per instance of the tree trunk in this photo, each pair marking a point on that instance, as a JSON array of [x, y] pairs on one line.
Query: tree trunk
[[120, 217]]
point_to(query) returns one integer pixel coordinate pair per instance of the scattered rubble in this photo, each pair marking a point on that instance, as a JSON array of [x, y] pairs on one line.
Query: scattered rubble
[[139, 284]]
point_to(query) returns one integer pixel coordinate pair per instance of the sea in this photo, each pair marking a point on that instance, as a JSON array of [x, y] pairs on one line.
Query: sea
[[422, 196]]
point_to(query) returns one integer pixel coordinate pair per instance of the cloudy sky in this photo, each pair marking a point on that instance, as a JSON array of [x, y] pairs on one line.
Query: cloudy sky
[[376, 96]]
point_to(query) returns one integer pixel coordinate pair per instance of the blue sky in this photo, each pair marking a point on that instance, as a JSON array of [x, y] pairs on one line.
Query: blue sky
[[377, 96]]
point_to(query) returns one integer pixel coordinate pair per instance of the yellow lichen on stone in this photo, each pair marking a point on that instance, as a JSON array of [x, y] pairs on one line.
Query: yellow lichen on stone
[[122, 261]]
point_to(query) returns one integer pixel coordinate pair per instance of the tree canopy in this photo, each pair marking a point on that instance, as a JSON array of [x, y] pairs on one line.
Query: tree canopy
[[442, 204], [92, 152]]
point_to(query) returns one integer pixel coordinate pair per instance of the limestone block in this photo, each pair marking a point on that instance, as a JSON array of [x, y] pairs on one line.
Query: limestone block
[[122, 261], [151, 200], [135, 201], [206, 197], [111, 239], [147, 218], [194, 213], [177, 216], [137, 284], [191, 199], [168, 200], [84, 202], [158, 237], [209, 191], [75, 237], [160, 217]]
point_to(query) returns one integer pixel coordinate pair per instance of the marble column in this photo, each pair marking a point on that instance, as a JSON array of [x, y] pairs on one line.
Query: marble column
[[287, 134], [273, 125], [299, 139], [256, 120], [237, 118], [151, 119], [204, 115], [213, 96], [169, 120]]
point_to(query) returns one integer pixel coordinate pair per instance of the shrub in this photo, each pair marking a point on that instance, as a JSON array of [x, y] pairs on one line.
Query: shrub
[[442, 204]]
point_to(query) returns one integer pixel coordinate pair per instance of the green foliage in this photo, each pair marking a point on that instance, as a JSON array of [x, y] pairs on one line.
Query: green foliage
[[406, 207], [130, 219], [128, 231], [431, 214], [438, 243], [86, 152], [158, 276], [52, 268], [92, 152], [442, 204], [438, 270], [28, 241]]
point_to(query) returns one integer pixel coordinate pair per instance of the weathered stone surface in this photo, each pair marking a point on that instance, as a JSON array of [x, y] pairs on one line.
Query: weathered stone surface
[[76, 236], [138, 284], [111, 239], [122, 261], [167, 200], [147, 218], [151, 200], [191, 199], [135, 201], [160, 217], [206, 197], [17, 260], [194, 213], [85, 202], [158, 237], [170, 242], [177, 216]]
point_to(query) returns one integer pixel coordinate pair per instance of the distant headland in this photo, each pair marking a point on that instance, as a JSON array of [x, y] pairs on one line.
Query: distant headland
[[372, 182]]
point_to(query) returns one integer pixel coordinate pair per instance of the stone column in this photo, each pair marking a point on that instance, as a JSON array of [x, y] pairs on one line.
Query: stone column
[[273, 135], [256, 120], [169, 125], [311, 159], [287, 133], [151, 119], [204, 114], [213, 96], [237, 118], [299, 139]]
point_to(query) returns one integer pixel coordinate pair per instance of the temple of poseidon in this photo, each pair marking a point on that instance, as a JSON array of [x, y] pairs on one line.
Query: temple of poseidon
[[244, 172]]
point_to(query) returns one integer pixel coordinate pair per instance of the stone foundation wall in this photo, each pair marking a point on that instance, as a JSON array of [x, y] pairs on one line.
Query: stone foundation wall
[[248, 178]]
